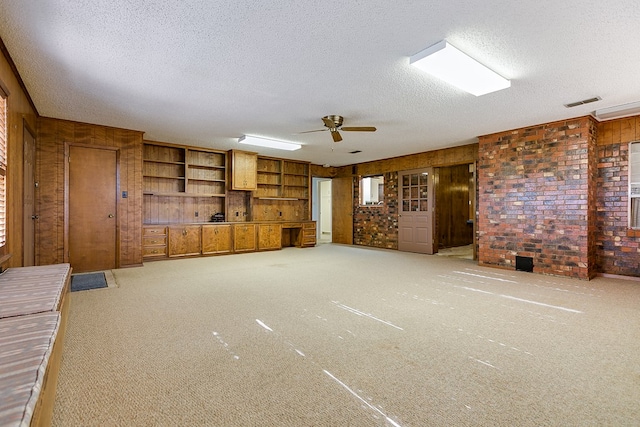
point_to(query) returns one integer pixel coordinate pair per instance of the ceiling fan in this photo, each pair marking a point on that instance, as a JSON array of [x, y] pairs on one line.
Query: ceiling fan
[[333, 123]]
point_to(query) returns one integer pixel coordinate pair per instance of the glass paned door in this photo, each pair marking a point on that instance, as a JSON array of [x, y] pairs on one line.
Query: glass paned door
[[415, 222]]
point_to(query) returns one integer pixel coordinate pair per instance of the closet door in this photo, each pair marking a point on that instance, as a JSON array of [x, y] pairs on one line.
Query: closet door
[[92, 208], [342, 210]]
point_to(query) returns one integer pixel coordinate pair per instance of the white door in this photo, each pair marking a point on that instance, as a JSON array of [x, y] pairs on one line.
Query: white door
[[415, 221]]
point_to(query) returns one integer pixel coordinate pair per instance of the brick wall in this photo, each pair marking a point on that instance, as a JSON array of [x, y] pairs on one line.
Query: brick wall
[[536, 197], [618, 248], [377, 226]]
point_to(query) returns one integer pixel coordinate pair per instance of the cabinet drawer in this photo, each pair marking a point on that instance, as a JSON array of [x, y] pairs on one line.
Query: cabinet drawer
[[154, 231], [291, 225], [154, 240], [309, 226], [157, 251]]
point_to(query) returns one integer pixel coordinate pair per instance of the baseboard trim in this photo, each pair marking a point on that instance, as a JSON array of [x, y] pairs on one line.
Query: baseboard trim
[[618, 276]]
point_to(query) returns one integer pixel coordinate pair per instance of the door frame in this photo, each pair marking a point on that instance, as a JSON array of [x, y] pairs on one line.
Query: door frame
[[67, 147], [317, 213], [340, 200], [32, 182], [432, 182]]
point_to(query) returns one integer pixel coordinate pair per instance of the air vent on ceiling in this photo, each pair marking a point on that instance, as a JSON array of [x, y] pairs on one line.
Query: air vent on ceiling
[[355, 151], [584, 101]]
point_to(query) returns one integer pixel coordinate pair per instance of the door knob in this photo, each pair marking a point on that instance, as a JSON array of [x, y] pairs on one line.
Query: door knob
[[110, 215]]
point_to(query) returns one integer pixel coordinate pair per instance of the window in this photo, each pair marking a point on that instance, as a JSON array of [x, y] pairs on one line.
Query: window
[[372, 191], [634, 184], [3, 165]]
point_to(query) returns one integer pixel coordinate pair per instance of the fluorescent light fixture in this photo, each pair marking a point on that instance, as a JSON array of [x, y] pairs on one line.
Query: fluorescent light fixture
[[447, 63], [268, 143], [618, 111]]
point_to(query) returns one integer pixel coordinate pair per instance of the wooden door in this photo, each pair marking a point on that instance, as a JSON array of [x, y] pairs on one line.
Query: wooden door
[[184, 240], [216, 239], [92, 208], [28, 222], [415, 221], [453, 198], [342, 210]]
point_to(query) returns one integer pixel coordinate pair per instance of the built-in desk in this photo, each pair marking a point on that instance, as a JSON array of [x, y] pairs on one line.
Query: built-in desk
[[299, 234]]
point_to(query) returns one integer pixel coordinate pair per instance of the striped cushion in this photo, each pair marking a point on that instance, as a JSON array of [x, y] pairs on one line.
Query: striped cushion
[[26, 343], [29, 290]]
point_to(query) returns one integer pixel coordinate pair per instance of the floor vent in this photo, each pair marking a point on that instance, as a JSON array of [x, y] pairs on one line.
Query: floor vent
[[524, 263]]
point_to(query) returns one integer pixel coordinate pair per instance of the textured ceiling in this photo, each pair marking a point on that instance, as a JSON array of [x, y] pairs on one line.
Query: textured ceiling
[[207, 72]]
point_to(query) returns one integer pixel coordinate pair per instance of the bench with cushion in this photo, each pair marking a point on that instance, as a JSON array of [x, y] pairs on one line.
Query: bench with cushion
[[34, 306]]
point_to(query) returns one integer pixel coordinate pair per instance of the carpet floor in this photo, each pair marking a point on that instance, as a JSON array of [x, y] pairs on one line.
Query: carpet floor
[[348, 336]]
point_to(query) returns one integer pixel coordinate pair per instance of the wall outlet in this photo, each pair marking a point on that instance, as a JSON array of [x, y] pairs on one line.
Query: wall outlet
[[196, 214]]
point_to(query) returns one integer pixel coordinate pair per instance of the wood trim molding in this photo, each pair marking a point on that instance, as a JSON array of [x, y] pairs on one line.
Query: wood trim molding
[[3, 261], [12, 65]]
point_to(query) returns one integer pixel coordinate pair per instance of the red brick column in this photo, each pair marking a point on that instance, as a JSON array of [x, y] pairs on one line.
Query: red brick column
[[537, 197]]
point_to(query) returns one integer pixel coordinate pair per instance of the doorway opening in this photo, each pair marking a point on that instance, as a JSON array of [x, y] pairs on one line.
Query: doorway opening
[[455, 210], [322, 209]]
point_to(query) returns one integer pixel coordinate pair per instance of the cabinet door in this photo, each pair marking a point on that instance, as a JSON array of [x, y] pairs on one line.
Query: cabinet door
[[244, 237], [184, 240], [216, 239], [269, 236], [244, 170]]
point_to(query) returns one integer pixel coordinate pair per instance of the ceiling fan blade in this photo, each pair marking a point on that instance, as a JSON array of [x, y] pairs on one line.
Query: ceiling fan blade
[[336, 136], [309, 131], [359, 129], [329, 123]]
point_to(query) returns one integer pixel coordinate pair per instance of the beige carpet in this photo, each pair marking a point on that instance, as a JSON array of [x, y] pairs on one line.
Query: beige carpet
[[348, 336], [464, 252]]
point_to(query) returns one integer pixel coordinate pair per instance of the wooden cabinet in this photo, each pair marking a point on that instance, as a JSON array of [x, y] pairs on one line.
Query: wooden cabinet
[[269, 178], [154, 242], [269, 236], [244, 170], [184, 240], [244, 237], [282, 179], [205, 173], [295, 180], [308, 234], [182, 184], [216, 239], [163, 169], [170, 170]]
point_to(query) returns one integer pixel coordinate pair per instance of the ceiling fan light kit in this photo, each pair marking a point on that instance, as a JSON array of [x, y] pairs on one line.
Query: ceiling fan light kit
[[334, 122], [268, 143], [444, 61]]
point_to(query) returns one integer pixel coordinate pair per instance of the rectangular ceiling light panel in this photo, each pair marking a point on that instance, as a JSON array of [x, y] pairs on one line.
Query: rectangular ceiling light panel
[[447, 63], [618, 111], [269, 143]]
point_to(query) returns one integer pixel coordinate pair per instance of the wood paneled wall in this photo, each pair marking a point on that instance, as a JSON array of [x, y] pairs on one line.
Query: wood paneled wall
[[464, 154], [20, 111], [50, 196]]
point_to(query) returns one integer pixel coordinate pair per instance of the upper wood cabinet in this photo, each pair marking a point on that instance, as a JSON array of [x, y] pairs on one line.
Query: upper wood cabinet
[[170, 170], [244, 170]]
